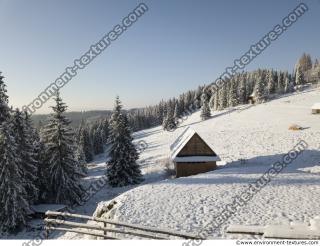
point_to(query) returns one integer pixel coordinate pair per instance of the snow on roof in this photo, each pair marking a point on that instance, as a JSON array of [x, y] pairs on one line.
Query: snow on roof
[[182, 140], [316, 106], [196, 158]]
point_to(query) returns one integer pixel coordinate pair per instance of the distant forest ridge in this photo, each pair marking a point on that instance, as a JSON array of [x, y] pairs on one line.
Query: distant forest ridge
[[263, 83], [75, 117]]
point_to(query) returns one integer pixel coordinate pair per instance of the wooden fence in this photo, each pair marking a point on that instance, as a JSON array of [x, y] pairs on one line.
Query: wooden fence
[[57, 221]]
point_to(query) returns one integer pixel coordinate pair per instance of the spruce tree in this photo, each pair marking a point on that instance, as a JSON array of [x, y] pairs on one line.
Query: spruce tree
[[216, 100], [242, 90], [260, 89], [281, 82], [176, 114], [270, 82], [13, 196], [24, 139], [233, 96], [169, 123], [299, 77], [205, 109], [4, 108], [97, 140], [39, 155], [106, 130], [122, 169], [80, 156], [211, 102], [62, 168], [86, 143]]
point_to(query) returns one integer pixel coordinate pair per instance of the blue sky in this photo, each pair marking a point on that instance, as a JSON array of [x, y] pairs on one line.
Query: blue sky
[[176, 46]]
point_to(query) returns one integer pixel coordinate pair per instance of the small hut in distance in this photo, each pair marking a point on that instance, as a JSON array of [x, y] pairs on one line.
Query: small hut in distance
[[315, 108], [192, 155], [252, 99]]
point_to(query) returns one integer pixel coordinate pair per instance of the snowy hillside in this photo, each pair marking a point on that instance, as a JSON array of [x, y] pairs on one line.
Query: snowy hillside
[[259, 136]]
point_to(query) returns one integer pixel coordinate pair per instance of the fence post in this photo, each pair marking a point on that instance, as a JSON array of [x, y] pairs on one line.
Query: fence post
[[105, 225]]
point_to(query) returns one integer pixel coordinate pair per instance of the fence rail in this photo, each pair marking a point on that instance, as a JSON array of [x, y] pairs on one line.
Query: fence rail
[[57, 221]]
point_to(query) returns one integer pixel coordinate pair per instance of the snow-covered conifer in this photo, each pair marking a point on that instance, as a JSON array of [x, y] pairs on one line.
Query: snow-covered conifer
[[233, 96], [122, 169], [13, 197], [169, 123], [205, 109], [260, 91], [299, 77], [97, 140], [80, 155], [24, 139], [63, 173], [4, 108], [106, 130]]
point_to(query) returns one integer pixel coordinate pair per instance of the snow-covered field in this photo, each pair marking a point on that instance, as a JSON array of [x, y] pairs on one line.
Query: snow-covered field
[[259, 136], [248, 140]]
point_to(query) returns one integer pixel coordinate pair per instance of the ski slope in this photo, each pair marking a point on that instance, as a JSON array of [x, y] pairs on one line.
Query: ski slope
[[256, 135]]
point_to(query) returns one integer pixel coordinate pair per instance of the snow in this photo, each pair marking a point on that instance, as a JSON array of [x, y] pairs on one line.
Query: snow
[[181, 141], [314, 169], [294, 230], [196, 158], [249, 139], [316, 106], [43, 208]]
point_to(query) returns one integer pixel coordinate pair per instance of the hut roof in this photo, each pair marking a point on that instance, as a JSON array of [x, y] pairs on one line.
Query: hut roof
[[253, 94], [316, 106], [181, 141]]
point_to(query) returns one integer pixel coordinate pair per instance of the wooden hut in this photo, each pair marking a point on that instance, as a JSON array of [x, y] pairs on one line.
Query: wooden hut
[[315, 108], [252, 98], [192, 155]]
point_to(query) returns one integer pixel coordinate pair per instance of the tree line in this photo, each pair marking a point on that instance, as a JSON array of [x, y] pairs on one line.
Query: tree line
[[257, 86]]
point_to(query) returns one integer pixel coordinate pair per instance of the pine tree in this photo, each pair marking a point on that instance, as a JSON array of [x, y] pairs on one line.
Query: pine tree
[[80, 156], [223, 97], [39, 155], [270, 82], [169, 122], [216, 100], [304, 63], [97, 140], [122, 169], [242, 90], [62, 172], [287, 84], [4, 108], [176, 114], [205, 109], [24, 139], [106, 130], [13, 196], [233, 97], [299, 77], [259, 90], [87, 143], [280, 85], [211, 102]]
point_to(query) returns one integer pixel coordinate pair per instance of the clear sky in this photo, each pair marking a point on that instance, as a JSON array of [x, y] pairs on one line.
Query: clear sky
[[176, 46]]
